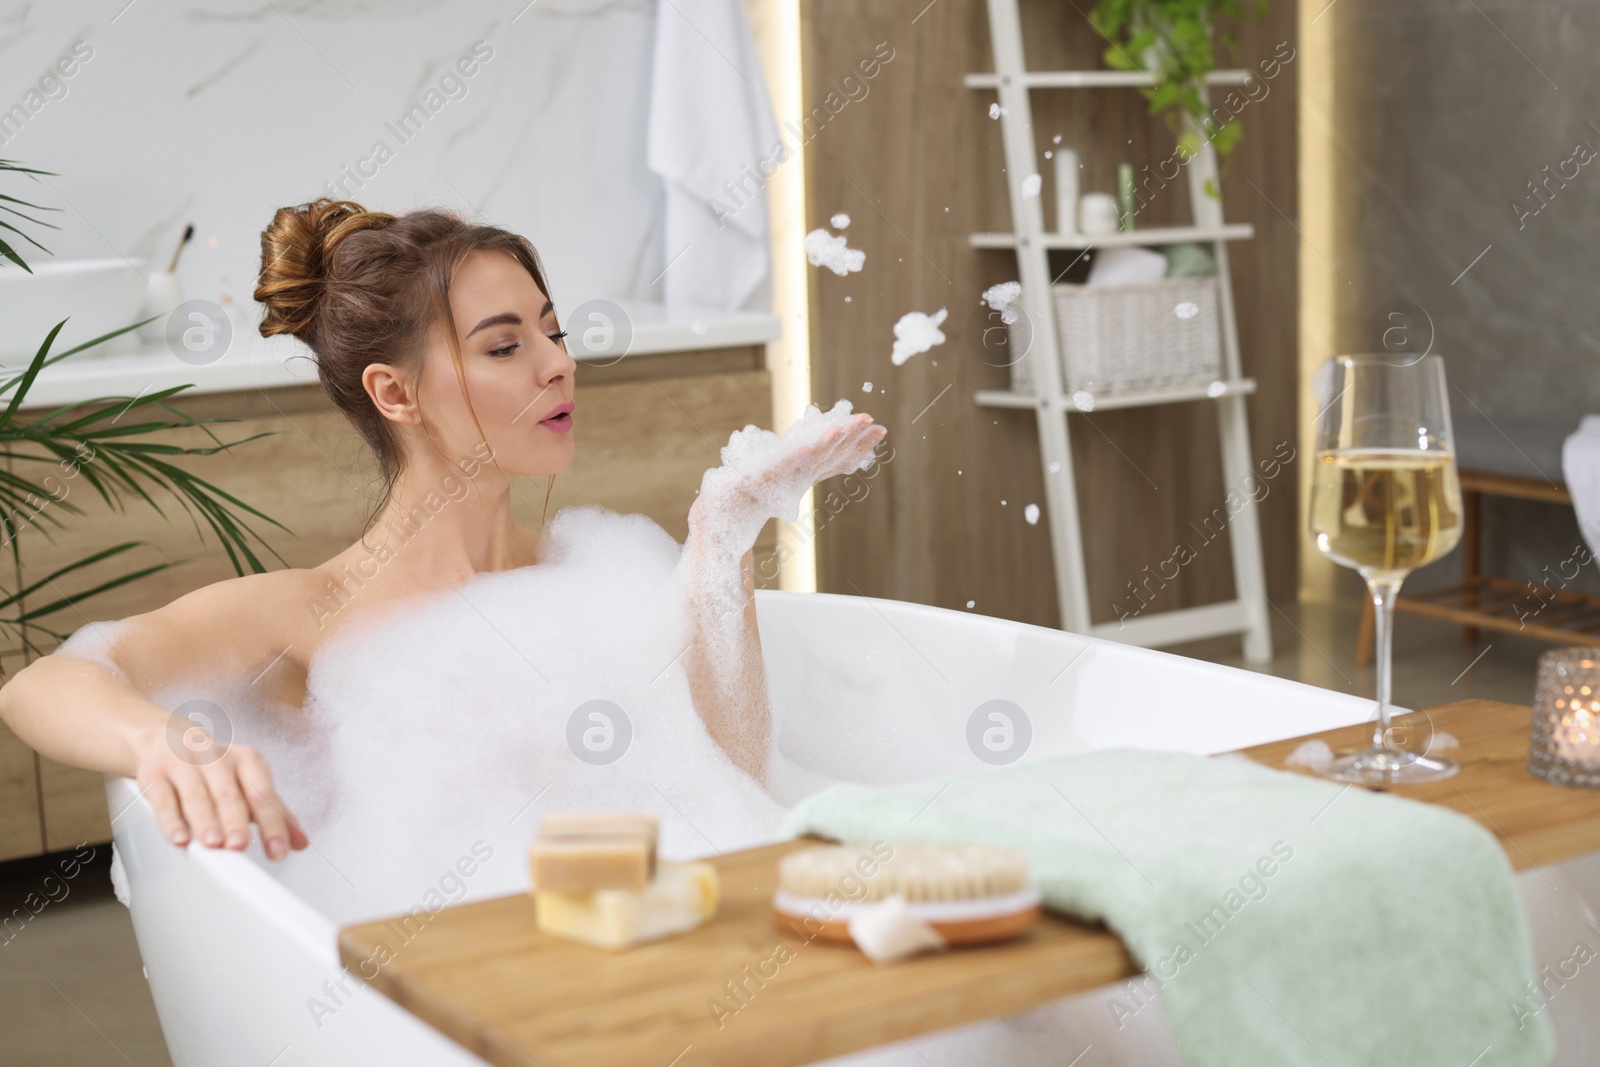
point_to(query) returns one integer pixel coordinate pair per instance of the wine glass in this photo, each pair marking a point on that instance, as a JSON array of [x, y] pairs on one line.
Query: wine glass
[[1385, 498]]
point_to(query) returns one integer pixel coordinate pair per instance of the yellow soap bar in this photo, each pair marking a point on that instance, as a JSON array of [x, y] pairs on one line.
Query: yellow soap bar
[[680, 897]]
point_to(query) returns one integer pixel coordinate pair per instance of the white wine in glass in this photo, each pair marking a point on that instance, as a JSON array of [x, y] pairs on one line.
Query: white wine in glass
[[1385, 499]]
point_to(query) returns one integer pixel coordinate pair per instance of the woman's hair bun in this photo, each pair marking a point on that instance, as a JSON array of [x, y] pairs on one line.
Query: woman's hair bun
[[297, 249]]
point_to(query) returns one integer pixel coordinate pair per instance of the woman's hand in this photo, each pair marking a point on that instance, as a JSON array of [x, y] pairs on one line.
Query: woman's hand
[[738, 500], [212, 793]]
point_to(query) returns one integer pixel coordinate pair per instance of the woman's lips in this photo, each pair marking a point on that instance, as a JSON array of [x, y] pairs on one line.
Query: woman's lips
[[560, 421]]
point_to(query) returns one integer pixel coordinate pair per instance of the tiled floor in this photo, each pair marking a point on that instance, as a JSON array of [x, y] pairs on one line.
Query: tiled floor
[[71, 988], [72, 991]]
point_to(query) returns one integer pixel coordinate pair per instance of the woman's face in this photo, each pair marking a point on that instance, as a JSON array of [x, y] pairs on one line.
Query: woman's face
[[516, 368]]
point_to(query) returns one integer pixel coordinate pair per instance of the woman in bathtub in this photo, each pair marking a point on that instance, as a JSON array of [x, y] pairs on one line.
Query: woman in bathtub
[[438, 340]]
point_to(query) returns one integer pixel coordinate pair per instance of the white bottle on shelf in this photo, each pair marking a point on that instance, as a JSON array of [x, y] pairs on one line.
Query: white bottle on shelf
[[1066, 161]]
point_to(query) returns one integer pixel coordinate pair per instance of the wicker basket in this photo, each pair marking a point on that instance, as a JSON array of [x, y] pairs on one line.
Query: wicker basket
[[1117, 337]]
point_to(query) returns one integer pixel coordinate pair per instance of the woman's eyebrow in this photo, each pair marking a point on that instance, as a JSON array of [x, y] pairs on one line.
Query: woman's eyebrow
[[495, 320], [510, 317]]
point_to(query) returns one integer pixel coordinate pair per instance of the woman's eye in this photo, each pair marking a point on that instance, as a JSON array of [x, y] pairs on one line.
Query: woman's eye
[[510, 348]]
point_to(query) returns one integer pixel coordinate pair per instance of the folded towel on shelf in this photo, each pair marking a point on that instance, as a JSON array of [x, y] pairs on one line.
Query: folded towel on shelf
[[1128, 265], [1286, 920], [713, 141], [1188, 260], [1580, 468]]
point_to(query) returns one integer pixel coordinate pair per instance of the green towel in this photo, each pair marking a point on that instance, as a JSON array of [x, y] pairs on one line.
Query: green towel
[[1188, 261], [1285, 920]]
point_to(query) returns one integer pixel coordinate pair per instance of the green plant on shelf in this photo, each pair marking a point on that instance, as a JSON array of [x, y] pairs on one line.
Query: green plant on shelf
[[45, 454], [1174, 42]]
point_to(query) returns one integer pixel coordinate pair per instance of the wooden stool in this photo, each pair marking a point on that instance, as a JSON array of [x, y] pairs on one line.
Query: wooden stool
[[1565, 617]]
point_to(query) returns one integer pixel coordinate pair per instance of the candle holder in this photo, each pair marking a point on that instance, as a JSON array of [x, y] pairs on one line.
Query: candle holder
[[1565, 747]]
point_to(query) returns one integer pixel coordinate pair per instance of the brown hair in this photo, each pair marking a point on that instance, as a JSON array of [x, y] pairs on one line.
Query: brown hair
[[362, 287]]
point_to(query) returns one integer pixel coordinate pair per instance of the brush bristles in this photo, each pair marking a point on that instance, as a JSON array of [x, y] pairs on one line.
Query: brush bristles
[[917, 871]]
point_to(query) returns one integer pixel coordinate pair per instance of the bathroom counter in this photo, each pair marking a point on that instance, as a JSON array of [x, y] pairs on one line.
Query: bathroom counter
[[482, 974], [601, 332]]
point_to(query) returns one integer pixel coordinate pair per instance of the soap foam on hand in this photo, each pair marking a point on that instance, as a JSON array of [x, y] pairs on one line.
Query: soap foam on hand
[[754, 483]]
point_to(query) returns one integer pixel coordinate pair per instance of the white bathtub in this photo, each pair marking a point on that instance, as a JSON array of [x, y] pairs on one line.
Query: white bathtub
[[234, 958]]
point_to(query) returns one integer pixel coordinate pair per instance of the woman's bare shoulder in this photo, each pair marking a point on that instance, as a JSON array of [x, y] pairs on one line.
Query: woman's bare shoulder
[[273, 601], [247, 623]]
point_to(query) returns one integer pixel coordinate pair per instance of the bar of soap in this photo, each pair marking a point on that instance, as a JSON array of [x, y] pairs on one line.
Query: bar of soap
[[581, 864], [583, 823], [577, 851], [681, 897]]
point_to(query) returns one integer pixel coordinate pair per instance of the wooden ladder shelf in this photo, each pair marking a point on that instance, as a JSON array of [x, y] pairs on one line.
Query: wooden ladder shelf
[[1247, 613]]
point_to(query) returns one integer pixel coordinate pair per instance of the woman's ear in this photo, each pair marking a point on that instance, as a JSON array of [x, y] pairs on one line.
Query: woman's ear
[[391, 392]]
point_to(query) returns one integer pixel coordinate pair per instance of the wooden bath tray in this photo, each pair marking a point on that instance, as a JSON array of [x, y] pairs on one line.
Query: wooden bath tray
[[484, 976]]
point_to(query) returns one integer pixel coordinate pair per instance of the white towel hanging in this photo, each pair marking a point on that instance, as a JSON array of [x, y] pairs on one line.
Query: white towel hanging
[[1580, 467], [713, 140]]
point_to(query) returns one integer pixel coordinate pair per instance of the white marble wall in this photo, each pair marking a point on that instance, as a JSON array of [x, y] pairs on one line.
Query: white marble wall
[[217, 112]]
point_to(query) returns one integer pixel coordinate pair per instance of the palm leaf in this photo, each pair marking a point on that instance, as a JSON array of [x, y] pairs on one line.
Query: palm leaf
[[115, 458]]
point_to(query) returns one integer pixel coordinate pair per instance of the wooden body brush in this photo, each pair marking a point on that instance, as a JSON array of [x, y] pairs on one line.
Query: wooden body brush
[[969, 894]]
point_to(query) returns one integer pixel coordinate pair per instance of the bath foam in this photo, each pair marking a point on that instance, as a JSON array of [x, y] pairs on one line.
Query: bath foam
[[437, 731], [232, 711], [93, 640], [470, 715]]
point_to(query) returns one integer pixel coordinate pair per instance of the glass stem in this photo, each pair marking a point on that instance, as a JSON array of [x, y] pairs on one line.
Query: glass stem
[[1383, 592]]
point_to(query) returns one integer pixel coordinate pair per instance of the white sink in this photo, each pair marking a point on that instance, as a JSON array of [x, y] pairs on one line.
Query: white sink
[[95, 296]]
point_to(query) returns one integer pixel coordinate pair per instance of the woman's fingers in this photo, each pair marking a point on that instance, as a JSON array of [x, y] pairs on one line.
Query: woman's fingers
[[846, 454], [215, 803], [230, 803], [268, 810], [164, 799], [198, 809]]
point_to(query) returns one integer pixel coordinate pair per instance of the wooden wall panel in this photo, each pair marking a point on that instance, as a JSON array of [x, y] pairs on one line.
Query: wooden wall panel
[[74, 805], [917, 164], [20, 826], [311, 475]]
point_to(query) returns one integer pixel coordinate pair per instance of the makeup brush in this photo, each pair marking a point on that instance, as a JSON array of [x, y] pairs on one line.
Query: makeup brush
[[188, 232], [163, 293]]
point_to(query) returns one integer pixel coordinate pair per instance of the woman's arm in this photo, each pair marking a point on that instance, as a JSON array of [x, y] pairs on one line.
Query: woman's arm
[[727, 677], [86, 714]]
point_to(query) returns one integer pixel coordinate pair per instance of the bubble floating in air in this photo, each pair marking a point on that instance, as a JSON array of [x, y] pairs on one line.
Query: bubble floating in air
[[824, 249], [916, 332]]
